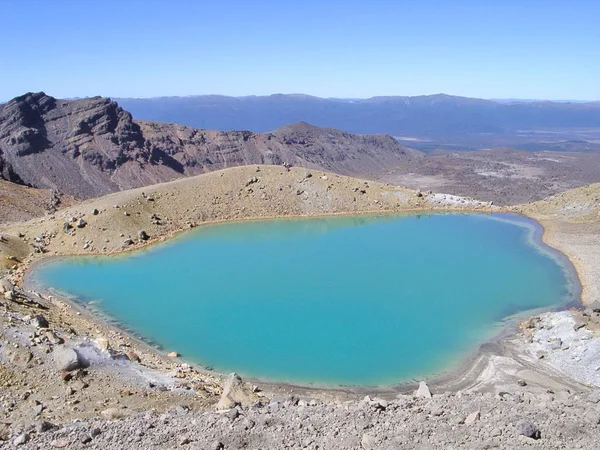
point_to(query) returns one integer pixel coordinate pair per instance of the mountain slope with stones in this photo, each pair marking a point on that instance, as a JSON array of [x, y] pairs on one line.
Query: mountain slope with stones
[[91, 147]]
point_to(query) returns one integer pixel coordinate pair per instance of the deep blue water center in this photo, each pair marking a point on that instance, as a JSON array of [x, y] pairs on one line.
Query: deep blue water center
[[360, 300]]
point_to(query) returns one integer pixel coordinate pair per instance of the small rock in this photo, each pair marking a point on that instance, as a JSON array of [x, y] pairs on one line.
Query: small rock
[[133, 356], [521, 383], [496, 432], [459, 420], [59, 443], [66, 359], [81, 223], [423, 391], [173, 355], [102, 344], [556, 344], [39, 321], [251, 181], [368, 441], [580, 322], [42, 426], [527, 428], [21, 439], [235, 392], [4, 431], [112, 413], [67, 227], [95, 212], [184, 441], [472, 418], [6, 286], [128, 242], [143, 235], [217, 445]]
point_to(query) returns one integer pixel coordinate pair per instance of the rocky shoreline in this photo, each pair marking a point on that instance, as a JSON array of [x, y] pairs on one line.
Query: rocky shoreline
[[523, 390]]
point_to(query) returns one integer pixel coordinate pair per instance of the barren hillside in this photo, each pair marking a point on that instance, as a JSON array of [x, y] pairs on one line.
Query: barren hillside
[[91, 147]]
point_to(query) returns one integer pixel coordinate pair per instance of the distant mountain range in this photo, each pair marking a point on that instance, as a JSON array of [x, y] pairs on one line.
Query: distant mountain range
[[433, 116], [90, 147]]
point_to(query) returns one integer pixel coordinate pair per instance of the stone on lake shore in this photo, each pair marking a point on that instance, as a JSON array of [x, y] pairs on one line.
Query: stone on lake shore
[[423, 391], [235, 393]]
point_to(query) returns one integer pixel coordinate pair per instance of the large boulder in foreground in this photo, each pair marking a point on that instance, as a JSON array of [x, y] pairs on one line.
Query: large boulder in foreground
[[67, 359], [235, 392]]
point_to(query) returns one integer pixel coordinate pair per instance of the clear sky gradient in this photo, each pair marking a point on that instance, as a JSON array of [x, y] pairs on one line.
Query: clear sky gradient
[[143, 48]]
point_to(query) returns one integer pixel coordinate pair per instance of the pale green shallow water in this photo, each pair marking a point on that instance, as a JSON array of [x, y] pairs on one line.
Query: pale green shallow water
[[361, 300]]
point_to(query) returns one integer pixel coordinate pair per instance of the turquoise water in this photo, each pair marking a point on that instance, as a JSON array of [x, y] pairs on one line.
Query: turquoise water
[[361, 300]]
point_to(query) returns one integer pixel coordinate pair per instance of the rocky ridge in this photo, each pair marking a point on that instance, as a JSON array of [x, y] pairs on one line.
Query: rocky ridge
[[91, 147]]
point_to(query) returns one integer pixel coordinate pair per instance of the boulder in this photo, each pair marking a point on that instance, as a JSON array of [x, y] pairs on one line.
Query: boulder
[[595, 306], [133, 356], [66, 359], [112, 413], [423, 391], [81, 223], [39, 321], [556, 344], [21, 439], [368, 441], [527, 428], [4, 431], [235, 392], [102, 344], [6, 286], [472, 418], [143, 235]]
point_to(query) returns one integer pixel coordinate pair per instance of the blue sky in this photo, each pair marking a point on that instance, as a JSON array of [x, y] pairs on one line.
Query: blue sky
[[142, 48]]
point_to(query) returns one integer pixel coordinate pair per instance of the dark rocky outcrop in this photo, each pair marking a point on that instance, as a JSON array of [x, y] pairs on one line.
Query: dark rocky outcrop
[[91, 147]]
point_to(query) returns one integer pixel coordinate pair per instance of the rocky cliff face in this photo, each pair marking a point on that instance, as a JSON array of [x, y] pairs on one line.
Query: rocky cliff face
[[91, 147]]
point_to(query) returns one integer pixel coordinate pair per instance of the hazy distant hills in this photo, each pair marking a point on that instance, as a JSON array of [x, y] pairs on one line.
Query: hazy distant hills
[[91, 147], [434, 116]]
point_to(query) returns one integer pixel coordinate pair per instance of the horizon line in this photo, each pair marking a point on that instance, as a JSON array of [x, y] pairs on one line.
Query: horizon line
[[347, 99]]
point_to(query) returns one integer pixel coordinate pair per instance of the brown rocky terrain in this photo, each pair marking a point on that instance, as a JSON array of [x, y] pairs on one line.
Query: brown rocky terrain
[[19, 203], [91, 147], [54, 375], [504, 176]]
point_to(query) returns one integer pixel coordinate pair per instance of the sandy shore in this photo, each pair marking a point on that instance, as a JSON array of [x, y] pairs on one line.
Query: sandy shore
[[113, 225]]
